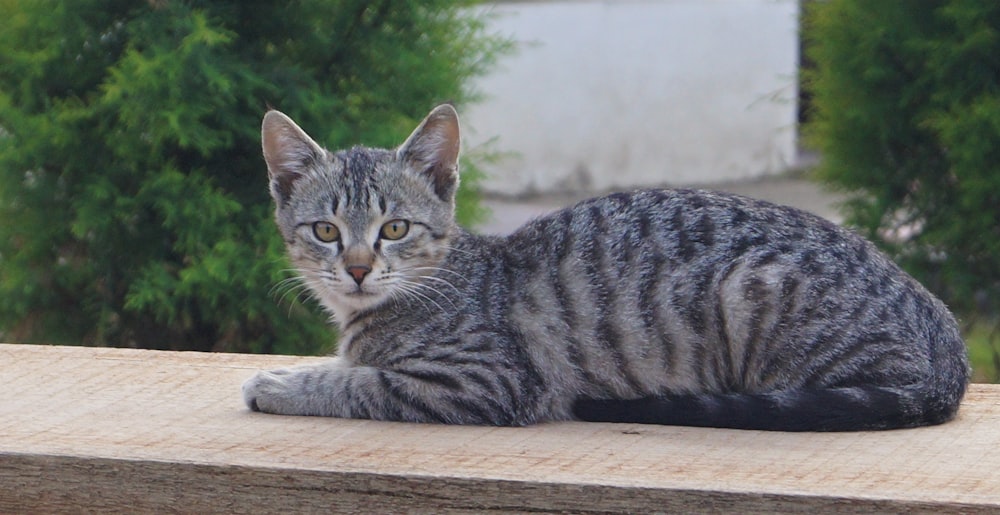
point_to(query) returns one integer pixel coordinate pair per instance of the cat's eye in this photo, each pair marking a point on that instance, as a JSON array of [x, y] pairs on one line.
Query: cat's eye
[[394, 229], [326, 232]]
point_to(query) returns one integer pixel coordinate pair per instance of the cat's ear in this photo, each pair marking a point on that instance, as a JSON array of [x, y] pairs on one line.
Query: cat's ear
[[432, 150], [290, 153]]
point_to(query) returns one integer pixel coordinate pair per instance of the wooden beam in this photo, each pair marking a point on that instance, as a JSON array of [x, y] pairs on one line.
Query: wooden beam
[[85, 429]]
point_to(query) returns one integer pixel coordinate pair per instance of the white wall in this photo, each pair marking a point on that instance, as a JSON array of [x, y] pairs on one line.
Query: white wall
[[618, 94]]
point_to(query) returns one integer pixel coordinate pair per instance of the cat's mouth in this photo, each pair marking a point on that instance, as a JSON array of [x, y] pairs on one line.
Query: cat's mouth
[[358, 293]]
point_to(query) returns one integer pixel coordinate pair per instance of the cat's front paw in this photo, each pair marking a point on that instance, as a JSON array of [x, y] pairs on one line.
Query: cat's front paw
[[268, 391], [311, 389]]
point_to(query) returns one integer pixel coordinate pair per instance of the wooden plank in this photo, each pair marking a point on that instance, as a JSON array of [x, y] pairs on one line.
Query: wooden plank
[[147, 431]]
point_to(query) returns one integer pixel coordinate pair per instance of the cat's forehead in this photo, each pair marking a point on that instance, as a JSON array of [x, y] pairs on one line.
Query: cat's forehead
[[356, 176], [356, 182], [360, 163], [360, 183]]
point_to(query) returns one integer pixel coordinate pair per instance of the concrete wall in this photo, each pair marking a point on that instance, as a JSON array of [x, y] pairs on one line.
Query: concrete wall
[[617, 94]]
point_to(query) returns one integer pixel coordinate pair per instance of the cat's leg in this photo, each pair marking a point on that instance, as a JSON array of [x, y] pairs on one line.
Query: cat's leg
[[295, 390], [336, 389]]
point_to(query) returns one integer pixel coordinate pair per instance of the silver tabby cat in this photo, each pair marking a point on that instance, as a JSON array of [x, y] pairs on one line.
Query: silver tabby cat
[[660, 306]]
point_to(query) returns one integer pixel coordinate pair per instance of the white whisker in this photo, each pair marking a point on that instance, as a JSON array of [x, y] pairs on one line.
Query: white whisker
[[300, 288], [291, 285], [404, 292], [413, 289], [437, 269], [455, 249], [444, 282]]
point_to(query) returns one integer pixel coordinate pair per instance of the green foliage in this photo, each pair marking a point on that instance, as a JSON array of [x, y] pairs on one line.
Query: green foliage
[[984, 352], [133, 195], [907, 119]]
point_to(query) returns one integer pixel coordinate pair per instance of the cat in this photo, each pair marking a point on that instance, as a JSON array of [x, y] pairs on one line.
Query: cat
[[664, 306]]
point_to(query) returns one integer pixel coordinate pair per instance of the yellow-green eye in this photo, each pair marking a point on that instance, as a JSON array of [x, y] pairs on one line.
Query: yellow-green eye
[[394, 229], [326, 232]]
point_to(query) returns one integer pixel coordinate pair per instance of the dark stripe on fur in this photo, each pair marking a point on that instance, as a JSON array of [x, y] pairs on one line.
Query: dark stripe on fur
[[394, 385], [597, 270]]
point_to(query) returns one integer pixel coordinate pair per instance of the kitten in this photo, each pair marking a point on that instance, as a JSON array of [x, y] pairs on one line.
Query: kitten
[[659, 306]]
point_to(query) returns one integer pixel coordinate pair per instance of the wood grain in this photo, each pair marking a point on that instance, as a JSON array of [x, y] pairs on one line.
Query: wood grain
[[118, 430]]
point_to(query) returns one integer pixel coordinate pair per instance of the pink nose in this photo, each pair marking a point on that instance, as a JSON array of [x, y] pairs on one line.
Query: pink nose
[[358, 272]]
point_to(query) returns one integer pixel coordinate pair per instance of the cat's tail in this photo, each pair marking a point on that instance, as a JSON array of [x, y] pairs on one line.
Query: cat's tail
[[858, 408]]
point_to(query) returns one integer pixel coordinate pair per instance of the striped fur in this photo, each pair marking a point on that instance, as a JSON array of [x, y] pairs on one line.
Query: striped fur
[[657, 306]]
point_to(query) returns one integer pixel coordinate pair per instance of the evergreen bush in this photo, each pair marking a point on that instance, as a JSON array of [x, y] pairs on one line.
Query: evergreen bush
[[906, 97], [133, 197]]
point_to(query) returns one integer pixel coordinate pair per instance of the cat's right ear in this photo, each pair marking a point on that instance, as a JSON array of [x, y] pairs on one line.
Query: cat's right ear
[[290, 153]]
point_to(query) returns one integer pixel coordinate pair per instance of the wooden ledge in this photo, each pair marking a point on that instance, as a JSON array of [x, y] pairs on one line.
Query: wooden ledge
[[85, 429]]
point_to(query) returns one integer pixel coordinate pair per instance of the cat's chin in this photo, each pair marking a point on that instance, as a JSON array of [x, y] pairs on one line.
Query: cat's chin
[[346, 305]]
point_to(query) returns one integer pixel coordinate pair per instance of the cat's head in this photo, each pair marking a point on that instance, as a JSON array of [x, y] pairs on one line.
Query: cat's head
[[364, 225]]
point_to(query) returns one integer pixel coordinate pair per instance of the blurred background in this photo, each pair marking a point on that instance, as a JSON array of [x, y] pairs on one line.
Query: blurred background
[[604, 96], [611, 95], [133, 199]]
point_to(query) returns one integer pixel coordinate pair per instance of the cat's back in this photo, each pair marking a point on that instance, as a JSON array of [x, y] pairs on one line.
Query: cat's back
[[688, 290], [686, 246], [683, 225]]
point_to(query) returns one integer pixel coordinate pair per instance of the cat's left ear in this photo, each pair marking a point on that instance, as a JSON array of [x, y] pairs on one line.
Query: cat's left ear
[[432, 151]]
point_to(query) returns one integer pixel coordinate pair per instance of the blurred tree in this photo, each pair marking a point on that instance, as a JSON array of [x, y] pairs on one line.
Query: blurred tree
[[907, 119], [133, 195]]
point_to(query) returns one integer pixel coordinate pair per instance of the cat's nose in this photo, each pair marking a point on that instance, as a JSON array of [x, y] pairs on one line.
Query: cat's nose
[[358, 272]]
